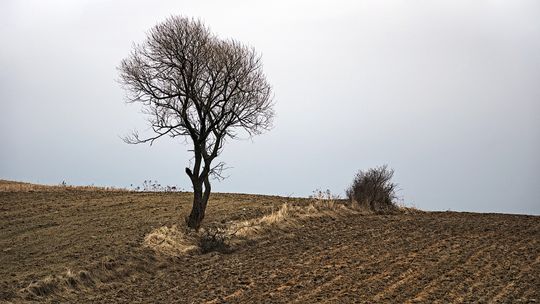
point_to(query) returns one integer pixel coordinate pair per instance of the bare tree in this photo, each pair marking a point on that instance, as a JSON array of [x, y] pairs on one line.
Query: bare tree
[[194, 85]]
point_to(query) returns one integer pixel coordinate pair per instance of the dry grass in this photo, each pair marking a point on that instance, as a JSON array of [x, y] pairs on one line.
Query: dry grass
[[11, 186], [57, 284], [288, 216], [96, 275], [171, 241], [177, 242]]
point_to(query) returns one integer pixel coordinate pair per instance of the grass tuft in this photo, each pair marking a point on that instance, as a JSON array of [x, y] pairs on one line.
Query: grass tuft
[[55, 284], [171, 241]]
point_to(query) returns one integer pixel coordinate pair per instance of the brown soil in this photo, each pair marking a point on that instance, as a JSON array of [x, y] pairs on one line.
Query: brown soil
[[81, 246]]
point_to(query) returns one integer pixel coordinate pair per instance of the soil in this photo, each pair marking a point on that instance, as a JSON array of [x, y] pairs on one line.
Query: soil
[[85, 246]]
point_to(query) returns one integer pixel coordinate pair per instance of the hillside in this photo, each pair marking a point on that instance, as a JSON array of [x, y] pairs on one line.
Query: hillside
[[86, 246]]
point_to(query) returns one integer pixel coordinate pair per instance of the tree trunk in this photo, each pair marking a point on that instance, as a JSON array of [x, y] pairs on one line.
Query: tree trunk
[[200, 200]]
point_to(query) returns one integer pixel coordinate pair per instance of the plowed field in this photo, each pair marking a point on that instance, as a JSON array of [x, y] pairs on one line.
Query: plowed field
[[85, 246]]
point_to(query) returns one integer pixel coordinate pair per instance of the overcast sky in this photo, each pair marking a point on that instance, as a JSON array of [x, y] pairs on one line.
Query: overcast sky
[[445, 92]]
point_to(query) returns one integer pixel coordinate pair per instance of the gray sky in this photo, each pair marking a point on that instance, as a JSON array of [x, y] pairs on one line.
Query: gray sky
[[445, 92]]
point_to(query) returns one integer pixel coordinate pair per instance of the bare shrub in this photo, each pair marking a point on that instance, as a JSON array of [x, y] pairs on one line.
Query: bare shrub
[[374, 189], [214, 239]]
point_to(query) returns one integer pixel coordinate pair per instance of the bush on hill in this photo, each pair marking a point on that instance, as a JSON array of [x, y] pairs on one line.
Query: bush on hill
[[374, 189]]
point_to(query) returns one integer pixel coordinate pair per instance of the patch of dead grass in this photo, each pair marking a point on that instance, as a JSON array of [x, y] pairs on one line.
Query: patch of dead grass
[[173, 241], [57, 284], [12, 186]]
